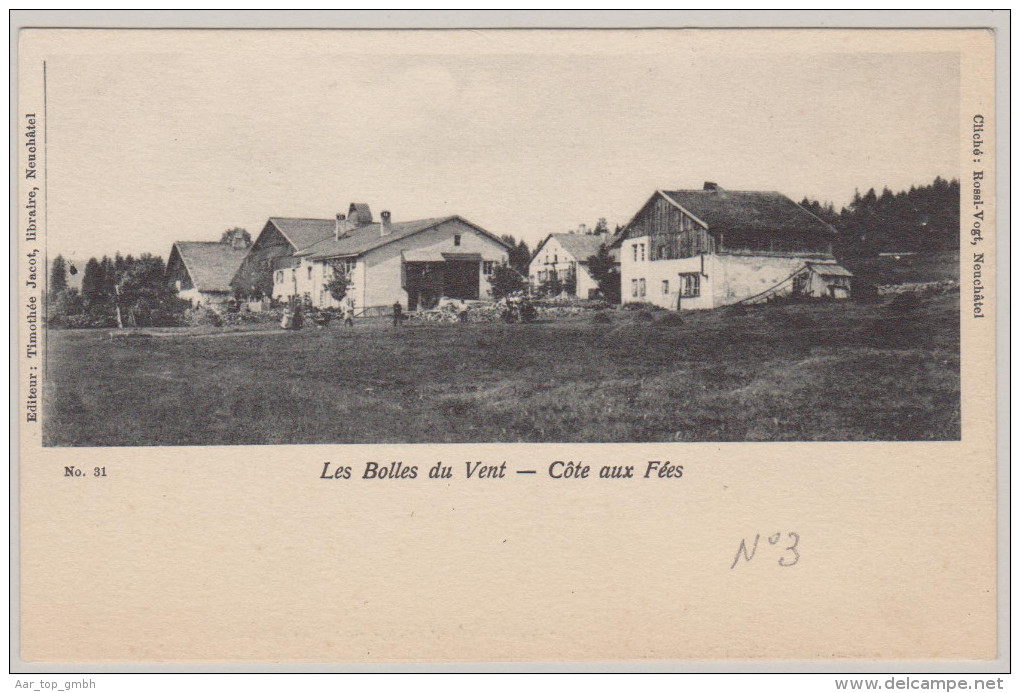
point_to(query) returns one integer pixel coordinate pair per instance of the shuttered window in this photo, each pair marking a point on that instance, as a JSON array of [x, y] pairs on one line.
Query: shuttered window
[[690, 285]]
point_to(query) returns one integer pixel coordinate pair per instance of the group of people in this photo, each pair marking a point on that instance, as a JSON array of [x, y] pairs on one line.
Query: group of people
[[294, 320]]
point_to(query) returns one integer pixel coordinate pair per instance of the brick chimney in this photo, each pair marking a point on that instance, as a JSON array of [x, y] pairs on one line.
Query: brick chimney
[[714, 187], [384, 223], [342, 226]]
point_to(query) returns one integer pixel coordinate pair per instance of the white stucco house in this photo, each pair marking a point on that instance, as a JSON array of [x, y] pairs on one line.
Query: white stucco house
[[696, 249], [413, 263], [565, 255]]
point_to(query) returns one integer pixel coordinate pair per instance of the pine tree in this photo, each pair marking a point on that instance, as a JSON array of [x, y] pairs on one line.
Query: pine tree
[[519, 255], [604, 271], [923, 218], [236, 235], [58, 275], [92, 282]]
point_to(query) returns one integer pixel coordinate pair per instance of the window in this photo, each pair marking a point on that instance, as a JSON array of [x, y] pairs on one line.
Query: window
[[800, 284], [456, 239], [309, 273], [633, 288], [665, 287], [662, 252], [345, 266], [325, 270], [642, 252], [556, 259], [488, 266], [690, 285], [641, 287], [635, 252]]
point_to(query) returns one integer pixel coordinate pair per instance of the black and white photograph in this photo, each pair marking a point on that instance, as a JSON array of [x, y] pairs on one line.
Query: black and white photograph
[[502, 246], [418, 340]]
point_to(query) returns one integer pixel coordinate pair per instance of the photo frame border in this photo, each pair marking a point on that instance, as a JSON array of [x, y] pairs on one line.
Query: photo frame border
[[993, 20]]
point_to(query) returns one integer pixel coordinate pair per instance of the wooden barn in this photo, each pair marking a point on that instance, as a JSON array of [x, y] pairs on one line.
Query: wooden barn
[[694, 249], [201, 271]]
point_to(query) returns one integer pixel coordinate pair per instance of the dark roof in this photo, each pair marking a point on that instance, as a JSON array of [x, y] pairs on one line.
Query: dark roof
[[748, 210], [210, 265], [364, 238], [829, 269], [614, 242], [580, 246], [304, 232], [316, 238]]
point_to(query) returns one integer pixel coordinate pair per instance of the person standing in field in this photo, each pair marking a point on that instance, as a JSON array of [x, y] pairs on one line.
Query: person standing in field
[[462, 311], [398, 314], [349, 314]]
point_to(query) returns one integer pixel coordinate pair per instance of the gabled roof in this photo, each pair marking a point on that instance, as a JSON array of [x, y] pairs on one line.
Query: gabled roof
[[747, 210], [581, 246], [362, 239], [753, 211], [304, 232], [211, 265], [829, 269]]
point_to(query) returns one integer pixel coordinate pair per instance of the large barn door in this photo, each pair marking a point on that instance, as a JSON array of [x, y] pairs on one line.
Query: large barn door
[[461, 279], [424, 284]]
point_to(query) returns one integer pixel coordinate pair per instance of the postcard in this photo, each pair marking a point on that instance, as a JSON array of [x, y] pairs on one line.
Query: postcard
[[382, 345]]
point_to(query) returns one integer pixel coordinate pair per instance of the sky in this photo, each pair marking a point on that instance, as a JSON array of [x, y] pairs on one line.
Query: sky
[[176, 137]]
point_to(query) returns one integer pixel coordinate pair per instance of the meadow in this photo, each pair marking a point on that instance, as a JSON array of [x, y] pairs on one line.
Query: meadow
[[820, 371]]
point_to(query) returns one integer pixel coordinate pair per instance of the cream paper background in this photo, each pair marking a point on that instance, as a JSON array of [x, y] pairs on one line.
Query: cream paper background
[[243, 554]]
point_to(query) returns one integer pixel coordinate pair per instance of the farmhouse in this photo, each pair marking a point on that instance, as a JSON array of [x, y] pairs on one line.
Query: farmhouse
[[693, 249], [564, 257], [201, 271], [414, 263]]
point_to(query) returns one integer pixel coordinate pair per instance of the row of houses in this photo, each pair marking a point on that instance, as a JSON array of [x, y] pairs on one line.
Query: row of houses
[[682, 250], [414, 263]]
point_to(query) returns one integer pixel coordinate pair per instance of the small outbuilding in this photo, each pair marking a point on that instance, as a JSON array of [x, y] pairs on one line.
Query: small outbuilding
[[824, 280]]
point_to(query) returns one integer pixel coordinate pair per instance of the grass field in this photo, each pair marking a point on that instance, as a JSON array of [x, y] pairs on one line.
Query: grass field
[[820, 371]]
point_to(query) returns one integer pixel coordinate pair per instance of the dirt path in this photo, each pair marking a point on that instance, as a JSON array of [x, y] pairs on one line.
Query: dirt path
[[238, 333]]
